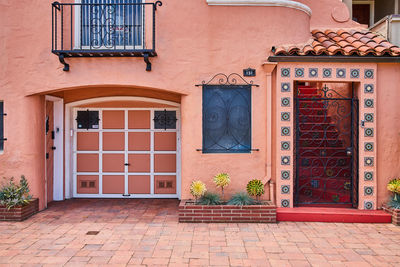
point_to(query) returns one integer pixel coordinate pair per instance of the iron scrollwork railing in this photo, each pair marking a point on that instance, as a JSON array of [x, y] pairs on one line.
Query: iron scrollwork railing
[[100, 28], [325, 146], [227, 114]]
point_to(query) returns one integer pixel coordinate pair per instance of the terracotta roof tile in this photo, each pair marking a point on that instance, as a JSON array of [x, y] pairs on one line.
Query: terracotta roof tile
[[344, 42]]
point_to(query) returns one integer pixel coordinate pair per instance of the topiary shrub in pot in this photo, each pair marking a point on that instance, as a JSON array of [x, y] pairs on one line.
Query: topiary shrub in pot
[[255, 188], [241, 199], [222, 180]]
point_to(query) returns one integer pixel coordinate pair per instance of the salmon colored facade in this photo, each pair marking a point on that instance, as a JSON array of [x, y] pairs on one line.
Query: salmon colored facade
[[127, 155]]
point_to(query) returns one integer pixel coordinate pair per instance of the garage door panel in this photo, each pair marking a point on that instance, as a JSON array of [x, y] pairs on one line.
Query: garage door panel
[[139, 119], [165, 162], [87, 141], [165, 184], [139, 184], [139, 141], [139, 162], [113, 162], [113, 119], [165, 141], [88, 184], [113, 184], [87, 162], [113, 141]]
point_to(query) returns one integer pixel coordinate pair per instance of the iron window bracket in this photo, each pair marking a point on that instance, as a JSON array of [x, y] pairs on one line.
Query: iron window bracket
[[148, 63], [62, 61]]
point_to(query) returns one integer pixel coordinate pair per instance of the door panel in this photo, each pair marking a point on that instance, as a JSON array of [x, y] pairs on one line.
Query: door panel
[[165, 184], [49, 149], [88, 141], [87, 162], [139, 184], [88, 184], [165, 141], [113, 184], [113, 162], [138, 141], [139, 119], [113, 119], [165, 162], [139, 162], [113, 141]]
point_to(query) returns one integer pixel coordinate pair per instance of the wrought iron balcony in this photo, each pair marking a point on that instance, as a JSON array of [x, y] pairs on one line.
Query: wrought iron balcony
[[104, 28]]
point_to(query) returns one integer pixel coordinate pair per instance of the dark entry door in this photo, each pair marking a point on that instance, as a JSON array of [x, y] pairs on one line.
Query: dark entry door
[[326, 146]]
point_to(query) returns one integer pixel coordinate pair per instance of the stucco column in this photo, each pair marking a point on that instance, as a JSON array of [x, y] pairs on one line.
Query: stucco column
[[269, 68], [349, 4]]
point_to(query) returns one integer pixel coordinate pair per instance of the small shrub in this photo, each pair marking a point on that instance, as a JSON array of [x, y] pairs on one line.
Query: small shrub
[[13, 195], [197, 189], [394, 187], [222, 180], [255, 188], [210, 199], [241, 199]]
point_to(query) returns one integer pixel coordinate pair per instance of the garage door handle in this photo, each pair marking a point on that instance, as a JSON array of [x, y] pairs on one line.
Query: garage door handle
[[127, 164]]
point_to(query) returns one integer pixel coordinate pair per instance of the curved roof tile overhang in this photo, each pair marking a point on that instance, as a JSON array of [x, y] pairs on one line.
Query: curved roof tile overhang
[[338, 45], [279, 3]]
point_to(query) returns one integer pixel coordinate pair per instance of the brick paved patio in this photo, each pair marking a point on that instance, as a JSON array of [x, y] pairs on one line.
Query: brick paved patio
[[147, 232]]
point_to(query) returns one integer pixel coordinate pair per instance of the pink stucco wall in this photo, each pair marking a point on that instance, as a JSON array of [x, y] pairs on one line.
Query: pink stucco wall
[[194, 41]]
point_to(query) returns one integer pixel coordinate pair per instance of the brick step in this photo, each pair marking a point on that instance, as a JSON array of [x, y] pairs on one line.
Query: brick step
[[332, 213]]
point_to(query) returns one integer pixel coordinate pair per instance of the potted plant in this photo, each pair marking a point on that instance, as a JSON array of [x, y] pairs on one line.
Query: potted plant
[[15, 201], [393, 205]]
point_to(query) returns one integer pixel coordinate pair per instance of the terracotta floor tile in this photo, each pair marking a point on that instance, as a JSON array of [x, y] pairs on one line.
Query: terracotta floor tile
[[137, 232]]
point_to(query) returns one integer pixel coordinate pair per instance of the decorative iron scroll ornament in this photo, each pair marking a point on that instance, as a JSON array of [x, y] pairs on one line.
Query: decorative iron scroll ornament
[[231, 79], [165, 119]]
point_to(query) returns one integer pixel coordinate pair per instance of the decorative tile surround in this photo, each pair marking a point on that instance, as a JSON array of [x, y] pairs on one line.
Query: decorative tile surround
[[364, 78]]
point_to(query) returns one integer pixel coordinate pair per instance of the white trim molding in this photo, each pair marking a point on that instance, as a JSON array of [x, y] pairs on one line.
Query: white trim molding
[[279, 3]]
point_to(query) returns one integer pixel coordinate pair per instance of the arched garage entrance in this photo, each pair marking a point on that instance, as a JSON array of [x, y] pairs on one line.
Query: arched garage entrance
[[122, 147]]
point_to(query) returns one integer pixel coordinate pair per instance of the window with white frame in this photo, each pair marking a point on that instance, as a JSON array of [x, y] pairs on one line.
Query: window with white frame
[[109, 24]]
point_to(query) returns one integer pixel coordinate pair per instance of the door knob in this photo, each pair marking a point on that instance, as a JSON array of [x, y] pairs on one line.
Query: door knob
[[348, 151], [127, 164]]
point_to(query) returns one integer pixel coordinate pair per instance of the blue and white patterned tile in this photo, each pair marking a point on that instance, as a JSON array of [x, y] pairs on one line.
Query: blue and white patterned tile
[[299, 72], [369, 117], [285, 145], [369, 146], [327, 73], [368, 88], [368, 205], [285, 116], [341, 73], [368, 190], [285, 87], [285, 102], [285, 160], [285, 189], [368, 132], [369, 103], [285, 131], [285, 203], [368, 176], [354, 73], [313, 73], [285, 175], [368, 73], [368, 161], [285, 72]]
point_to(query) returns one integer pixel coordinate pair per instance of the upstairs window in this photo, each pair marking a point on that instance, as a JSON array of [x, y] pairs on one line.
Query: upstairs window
[[226, 118], [110, 24]]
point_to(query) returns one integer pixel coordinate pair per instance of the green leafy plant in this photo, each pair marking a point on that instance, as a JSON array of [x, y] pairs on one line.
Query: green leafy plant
[[222, 180], [255, 188], [210, 199], [394, 187], [13, 195], [197, 189], [241, 199]]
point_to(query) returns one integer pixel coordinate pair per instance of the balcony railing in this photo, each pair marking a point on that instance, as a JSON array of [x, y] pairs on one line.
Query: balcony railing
[[104, 28]]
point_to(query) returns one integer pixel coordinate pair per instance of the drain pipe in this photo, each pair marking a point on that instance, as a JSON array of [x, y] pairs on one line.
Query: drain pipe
[[269, 67]]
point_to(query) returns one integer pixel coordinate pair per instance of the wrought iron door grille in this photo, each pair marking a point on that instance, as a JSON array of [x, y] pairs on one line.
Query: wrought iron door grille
[[326, 146]]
